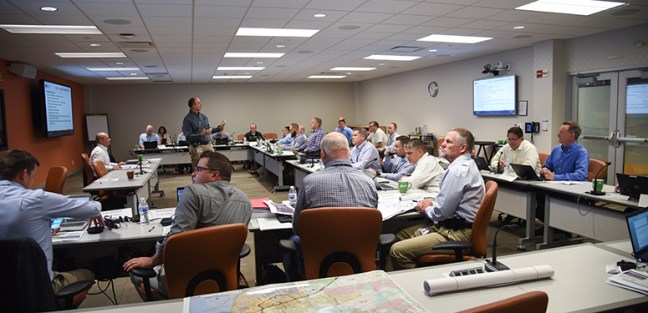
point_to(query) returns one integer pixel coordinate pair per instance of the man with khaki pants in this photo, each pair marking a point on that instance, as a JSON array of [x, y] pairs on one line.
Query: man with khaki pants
[[196, 129]]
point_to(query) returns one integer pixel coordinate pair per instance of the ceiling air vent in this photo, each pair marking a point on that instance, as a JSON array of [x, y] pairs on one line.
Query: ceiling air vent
[[135, 44], [405, 49]]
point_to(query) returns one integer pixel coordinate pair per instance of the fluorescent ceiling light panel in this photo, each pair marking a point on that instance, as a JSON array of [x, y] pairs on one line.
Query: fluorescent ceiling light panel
[[386, 57], [97, 55], [127, 78], [112, 69], [231, 77], [454, 39], [50, 29], [353, 69], [576, 7], [276, 32], [327, 76], [253, 55], [240, 68]]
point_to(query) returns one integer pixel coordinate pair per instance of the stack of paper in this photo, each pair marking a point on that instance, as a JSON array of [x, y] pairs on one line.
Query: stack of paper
[[632, 280]]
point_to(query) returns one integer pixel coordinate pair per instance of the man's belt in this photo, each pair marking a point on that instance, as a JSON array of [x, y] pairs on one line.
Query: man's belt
[[455, 223]]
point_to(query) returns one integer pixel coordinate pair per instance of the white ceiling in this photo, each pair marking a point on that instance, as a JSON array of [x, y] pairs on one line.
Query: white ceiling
[[189, 37]]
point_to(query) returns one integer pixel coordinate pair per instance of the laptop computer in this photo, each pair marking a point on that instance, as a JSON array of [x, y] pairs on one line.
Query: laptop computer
[[482, 165], [638, 229], [179, 191], [525, 172], [632, 185], [150, 145]]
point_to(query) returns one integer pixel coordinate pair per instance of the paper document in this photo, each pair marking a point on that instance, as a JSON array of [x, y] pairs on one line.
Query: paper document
[[271, 223], [391, 205], [155, 214], [280, 208], [68, 236], [632, 280]]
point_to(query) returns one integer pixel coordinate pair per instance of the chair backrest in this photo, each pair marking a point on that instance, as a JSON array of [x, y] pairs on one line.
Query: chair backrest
[[269, 136], [530, 302], [56, 179], [339, 241], [543, 157], [87, 169], [100, 168], [483, 217], [593, 168], [240, 137], [203, 260], [26, 283]]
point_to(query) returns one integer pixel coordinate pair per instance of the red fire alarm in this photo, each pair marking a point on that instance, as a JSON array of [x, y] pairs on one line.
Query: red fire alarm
[[539, 74]]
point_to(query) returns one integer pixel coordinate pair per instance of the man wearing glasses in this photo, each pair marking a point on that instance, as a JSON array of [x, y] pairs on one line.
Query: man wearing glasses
[[517, 151], [211, 200]]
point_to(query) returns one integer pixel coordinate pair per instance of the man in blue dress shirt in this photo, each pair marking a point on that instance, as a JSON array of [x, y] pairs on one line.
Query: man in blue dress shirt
[[364, 155], [344, 129]]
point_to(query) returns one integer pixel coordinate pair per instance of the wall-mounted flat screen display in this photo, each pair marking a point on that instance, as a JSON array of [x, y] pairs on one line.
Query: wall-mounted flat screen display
[[57, 109], [495, 96]]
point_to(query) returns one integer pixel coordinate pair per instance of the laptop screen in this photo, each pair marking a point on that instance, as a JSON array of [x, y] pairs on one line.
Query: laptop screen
[[179, 191], [638, 229]]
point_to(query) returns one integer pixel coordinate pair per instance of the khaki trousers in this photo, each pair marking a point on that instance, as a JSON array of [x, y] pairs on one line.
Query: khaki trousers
[[62, 279], [195, 151]]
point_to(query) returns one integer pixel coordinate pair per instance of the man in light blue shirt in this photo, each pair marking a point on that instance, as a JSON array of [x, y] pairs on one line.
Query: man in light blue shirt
[[453, 211], [148, 136], [300, 137], [568, 160], [344, 129], [28, 213], [288, 132], [364, 154], [396, 165]]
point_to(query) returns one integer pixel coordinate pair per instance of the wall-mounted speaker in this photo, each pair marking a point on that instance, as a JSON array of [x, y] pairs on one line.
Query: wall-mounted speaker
[[22, 69]]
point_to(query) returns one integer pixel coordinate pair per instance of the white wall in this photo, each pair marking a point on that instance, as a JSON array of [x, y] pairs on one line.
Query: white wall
[[131, 107]]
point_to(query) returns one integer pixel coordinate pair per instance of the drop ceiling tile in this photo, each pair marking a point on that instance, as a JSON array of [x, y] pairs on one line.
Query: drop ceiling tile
[[165, 10], [407, 19], [433, 9], [448, 22], [280, 3], [211, 11], [365, 17], [271, 13], [385, 6], [346, 5], [484, 24], [474, 12], [108, 9], [168, 21]]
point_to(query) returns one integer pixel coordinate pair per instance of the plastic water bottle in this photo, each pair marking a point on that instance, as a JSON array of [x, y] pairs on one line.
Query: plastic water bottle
[[507, 167], [143, 210], [292, 196]]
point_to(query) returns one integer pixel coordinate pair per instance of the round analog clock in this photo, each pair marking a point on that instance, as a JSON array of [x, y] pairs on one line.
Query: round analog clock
[[433, 89]]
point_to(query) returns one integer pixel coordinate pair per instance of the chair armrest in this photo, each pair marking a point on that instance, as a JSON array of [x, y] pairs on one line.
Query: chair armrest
[[288, 244], [386, 239], [143, 272], [74, 288], [245, 251], [457, 246]]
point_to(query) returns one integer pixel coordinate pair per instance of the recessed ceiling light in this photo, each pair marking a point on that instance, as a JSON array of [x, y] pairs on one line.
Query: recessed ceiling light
[[127, 78], [355, 69], [112, 69], [433, 50], [240, 68], [319, 15], [119, 63], [576, 7], [519, 27], [95, 45], [50, 29], [386, 57], [49, 9], [264, 55], [133, 74], [453, 38], [259, 63], [90, 54], [231, 76], [276, 32], [327, 76], [280, 46]]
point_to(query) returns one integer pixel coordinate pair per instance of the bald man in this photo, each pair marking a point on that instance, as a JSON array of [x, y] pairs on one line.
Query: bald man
[[148, 136]]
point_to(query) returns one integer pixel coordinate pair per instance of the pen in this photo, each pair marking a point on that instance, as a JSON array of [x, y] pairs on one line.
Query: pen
[[150, 230]]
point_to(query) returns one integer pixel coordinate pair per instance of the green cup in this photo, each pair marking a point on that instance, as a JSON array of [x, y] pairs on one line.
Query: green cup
[[597, 185], [279, 151], [404, 186]]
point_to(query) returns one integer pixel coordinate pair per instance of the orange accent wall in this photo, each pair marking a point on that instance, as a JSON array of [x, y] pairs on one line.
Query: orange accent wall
[[21, 133]]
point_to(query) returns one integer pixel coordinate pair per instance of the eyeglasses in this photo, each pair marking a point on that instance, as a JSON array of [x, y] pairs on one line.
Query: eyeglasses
[[200, 169], [512, 139]]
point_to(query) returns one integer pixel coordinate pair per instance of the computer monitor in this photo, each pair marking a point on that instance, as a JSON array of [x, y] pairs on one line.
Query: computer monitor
[[632, 185], [638, 229]]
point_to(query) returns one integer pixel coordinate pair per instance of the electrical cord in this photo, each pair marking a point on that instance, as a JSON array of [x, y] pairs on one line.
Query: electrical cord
[[103, 291]]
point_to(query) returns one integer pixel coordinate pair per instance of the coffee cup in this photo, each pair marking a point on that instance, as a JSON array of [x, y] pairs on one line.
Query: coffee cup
[[597, 185], [404, 186], [280, 151], [130, 175]]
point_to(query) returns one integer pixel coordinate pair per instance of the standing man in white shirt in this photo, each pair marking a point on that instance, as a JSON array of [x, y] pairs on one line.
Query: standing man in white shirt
[[148, 136], [377, 136], [428, 172], [100, 152]]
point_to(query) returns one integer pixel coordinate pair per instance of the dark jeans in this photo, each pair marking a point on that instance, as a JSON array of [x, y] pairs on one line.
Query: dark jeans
[[293, 261]]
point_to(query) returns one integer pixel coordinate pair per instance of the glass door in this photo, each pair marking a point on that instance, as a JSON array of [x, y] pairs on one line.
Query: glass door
[[612, 109]]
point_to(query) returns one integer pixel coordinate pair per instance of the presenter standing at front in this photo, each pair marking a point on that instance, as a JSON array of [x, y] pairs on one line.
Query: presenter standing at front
[[196, 128]]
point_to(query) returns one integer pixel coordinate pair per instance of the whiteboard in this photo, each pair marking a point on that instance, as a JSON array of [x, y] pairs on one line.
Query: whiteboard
[[96, 123]]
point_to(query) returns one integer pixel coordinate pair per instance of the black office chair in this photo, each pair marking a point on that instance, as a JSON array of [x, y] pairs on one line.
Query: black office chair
[[26, 283]]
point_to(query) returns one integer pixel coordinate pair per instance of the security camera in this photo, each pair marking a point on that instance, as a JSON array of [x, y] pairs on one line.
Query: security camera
[[487, 69]]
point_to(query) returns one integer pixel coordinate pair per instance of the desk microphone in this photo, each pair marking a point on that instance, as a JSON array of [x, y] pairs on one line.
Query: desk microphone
[[594, 182], [494, 265]]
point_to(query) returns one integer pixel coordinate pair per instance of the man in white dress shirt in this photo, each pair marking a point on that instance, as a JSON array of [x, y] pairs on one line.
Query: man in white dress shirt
[[517, 151], [428, 172], [377, 136], [100, 152]]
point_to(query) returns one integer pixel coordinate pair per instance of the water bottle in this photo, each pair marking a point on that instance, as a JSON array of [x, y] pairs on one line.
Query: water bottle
[[292, 196], [507, 167], [143, 209]]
